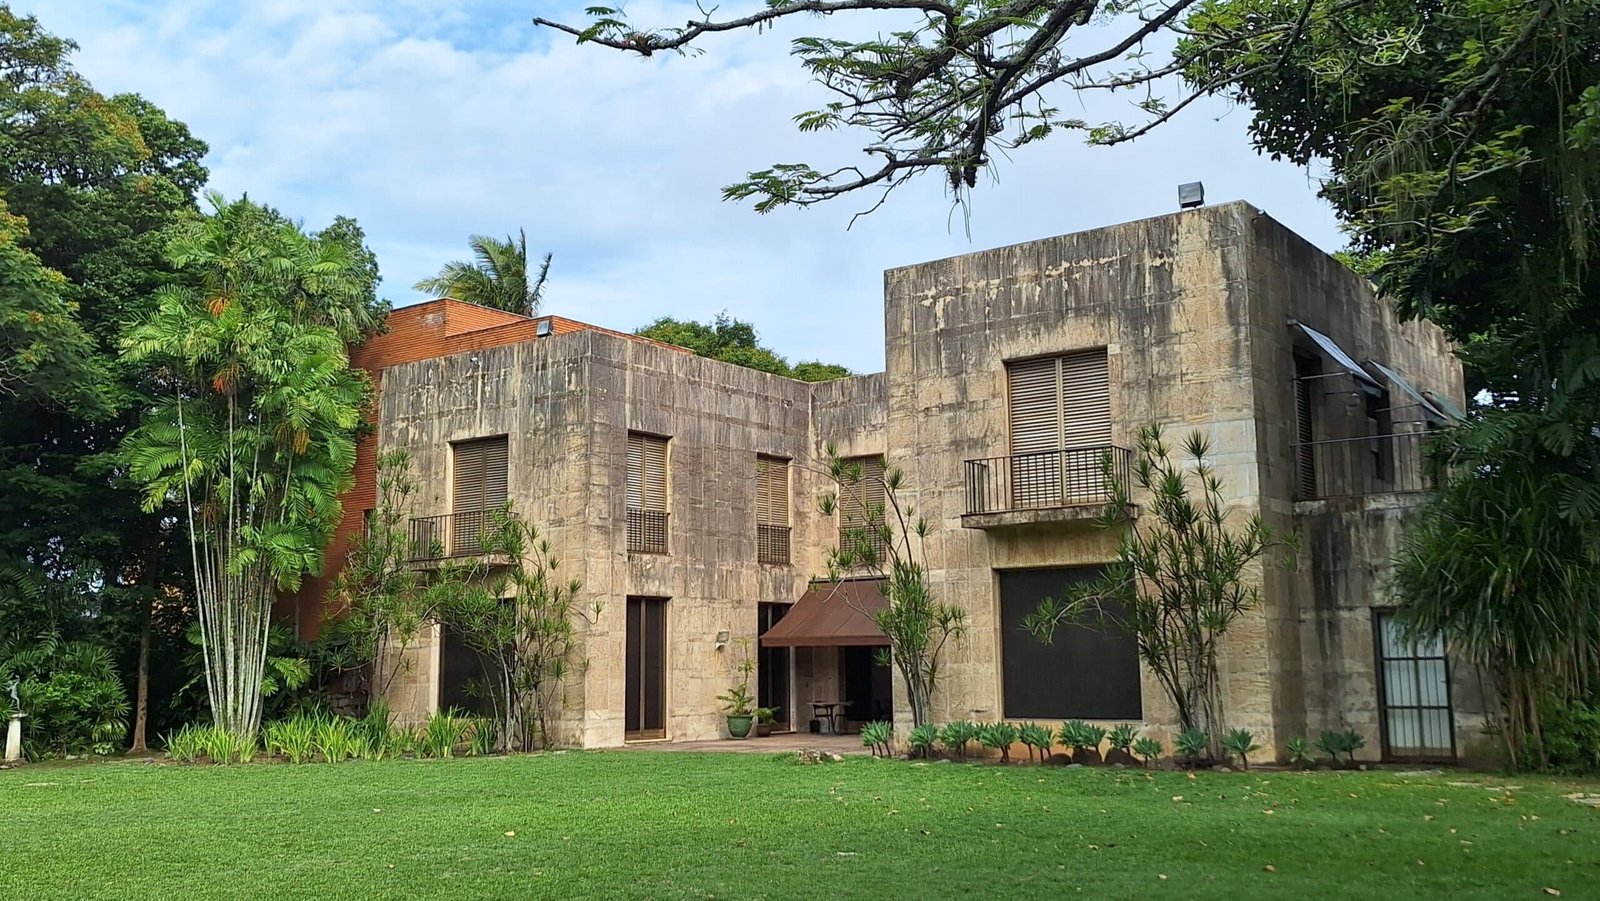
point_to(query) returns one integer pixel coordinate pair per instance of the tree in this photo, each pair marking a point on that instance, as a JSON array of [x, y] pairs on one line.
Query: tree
[[1178, 582], [1463, 138], [498, 277], [953, 85], [735, 341], [522, 619], [885, 539], [46, 357], [92, 181], [256, 438]]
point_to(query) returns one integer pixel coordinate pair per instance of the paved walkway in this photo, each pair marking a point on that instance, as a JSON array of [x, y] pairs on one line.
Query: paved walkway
[[772, 744]]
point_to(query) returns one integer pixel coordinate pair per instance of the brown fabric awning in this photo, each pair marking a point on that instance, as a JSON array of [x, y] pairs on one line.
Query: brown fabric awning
[[832, 615]]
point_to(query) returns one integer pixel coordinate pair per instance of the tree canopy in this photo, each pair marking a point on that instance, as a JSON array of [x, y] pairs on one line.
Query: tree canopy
[[955, 86], [735, 341]]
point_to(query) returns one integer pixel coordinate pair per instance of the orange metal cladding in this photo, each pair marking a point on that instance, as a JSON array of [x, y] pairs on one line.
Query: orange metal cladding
[[437, 328]]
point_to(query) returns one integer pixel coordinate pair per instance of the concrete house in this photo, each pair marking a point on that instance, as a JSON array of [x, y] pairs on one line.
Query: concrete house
[[683, 491]]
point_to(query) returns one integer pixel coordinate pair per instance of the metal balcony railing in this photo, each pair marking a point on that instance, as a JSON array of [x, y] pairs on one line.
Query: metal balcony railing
[[1071, 477], [1356, 467], [772, 544], [647, 531], [459, 534]]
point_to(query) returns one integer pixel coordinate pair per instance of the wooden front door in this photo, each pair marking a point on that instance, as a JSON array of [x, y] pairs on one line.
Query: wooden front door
[[773, 670], [646, 679]]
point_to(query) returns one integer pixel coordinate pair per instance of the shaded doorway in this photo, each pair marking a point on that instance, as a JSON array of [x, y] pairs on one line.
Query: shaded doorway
[[774, 670], [645, 712], [868, 686]]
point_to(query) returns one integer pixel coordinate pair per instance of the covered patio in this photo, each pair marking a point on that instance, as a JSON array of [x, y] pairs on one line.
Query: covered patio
[[832, 638]]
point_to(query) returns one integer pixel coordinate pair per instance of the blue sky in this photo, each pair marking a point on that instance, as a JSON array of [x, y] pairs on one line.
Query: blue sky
[[428, 121]]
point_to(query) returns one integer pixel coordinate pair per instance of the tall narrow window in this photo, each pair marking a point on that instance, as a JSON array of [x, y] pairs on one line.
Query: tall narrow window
[[647, 493], [1380, 432], [1306, 370], [861, 506], [1060, 417], [772, 509], [479, 487]]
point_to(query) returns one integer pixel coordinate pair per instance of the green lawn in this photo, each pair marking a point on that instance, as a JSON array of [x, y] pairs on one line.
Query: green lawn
[[657, 825]]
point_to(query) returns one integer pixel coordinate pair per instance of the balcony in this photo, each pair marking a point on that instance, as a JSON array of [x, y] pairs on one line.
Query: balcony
[[647, 531], [1069, 485], [1359, 467], [772, 544], [454, 537]]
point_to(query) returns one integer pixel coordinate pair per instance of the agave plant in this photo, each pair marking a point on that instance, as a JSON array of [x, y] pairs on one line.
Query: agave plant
[[922, 739], [1240, 743], [1038, 739], [954, 736], [1148, 749], [875, 736], [999, 737], [1192, 745], [1084, 740], [1299, 751]]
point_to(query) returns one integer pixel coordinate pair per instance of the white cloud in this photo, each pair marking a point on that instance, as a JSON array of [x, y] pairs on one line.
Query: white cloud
[[428, 124]]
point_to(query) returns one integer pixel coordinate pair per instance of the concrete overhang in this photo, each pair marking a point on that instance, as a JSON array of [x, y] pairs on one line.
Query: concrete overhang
[[1080, 514]]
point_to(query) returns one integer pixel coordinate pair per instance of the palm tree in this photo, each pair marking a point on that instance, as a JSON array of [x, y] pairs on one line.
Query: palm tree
[[497, 278]]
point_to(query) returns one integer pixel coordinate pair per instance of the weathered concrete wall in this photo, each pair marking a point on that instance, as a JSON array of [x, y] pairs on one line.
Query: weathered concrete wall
[[1325, 675], [1193, 310], [1166, 298]]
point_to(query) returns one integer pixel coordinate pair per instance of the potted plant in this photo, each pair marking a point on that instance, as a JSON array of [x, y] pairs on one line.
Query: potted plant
[[765, 717], [737, 702]]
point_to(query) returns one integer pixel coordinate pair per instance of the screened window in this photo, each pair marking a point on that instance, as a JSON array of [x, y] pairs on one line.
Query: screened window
[[1414, 694], [861, 504], [772, 509], [647, 493], [479, 487], [1089, 671]]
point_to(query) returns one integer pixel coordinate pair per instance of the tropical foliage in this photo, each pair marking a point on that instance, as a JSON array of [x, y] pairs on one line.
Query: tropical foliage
[[1179, 581], [71, 694], [256, 435], [735, 341], [886, 541], [497, 277], [1463, 138], [522, 619]]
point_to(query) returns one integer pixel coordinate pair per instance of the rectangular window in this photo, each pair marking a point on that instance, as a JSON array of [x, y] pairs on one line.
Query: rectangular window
[[862, 499], [647, 493], [1059, 410], [479, 487], [1380, 431], [1413, 694], [772, 509], [1089, 671]]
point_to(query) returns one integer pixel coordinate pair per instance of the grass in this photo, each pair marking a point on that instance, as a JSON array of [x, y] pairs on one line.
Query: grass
[[682, 825]]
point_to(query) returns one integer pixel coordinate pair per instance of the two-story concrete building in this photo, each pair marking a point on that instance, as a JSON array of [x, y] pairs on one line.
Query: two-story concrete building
[[683, 491]]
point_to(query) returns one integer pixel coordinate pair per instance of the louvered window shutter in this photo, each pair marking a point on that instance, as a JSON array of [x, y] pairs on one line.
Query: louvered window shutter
[[1035, 405], [647, 472], [772, 491], [1085, 399], [496, 473]]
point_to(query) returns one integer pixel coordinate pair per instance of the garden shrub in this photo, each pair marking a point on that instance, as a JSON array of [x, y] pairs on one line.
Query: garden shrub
[[71, 695], [1038, 739], [955, 736], [1572, 736], [876, 737]]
